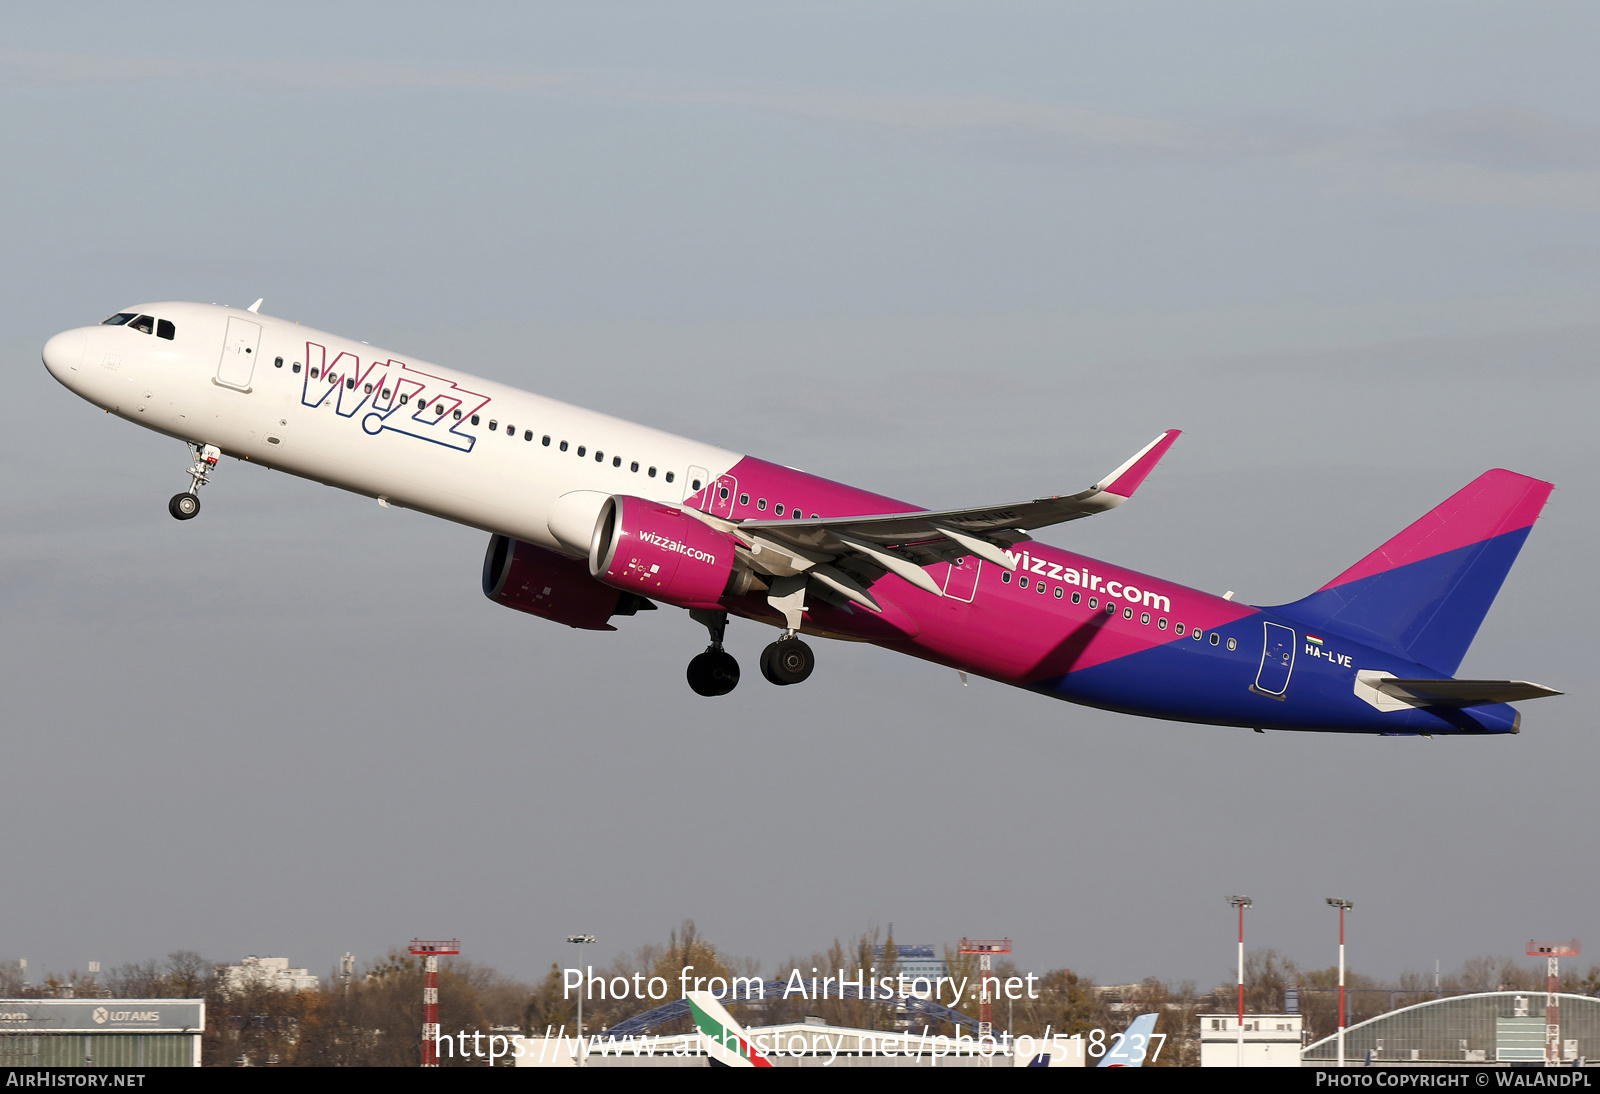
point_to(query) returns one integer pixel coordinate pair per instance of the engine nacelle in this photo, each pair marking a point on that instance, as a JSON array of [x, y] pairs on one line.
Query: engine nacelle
[[540, 582], [654, 550]]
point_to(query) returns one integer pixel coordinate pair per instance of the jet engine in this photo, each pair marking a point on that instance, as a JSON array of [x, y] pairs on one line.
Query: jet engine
[[540, 582], [654, 550]]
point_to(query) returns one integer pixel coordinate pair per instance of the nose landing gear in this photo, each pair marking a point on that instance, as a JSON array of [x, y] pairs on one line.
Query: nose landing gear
[[185, 506], [713, 672]]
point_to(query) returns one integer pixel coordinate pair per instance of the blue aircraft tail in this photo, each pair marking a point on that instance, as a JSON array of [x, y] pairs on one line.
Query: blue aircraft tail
[[1424, 593], [1133, 1048]]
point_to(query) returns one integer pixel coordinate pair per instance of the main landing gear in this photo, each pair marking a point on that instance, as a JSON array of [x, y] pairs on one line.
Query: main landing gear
[[186, 506], [787, 661], [713, 672]]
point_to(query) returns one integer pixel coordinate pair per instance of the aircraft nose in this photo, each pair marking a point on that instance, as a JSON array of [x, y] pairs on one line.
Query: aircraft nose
[[64, 353]]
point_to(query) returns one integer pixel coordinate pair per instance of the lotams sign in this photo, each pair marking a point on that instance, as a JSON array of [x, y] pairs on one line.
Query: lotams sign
[[103, 1015]]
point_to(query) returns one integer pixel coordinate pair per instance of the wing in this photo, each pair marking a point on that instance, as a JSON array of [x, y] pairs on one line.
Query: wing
[[849, 553]]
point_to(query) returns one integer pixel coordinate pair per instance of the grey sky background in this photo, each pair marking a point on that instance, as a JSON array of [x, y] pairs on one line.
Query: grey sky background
[[953, 253]]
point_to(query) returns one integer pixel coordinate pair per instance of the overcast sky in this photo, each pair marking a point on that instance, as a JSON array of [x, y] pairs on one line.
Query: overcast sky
[[956, 253]]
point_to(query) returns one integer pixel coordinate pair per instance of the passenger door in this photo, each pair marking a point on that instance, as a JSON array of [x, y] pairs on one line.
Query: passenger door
[[1277, 660], [238, 362]]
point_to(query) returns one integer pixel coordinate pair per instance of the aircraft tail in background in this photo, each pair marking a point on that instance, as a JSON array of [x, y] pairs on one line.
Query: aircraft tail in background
[[725, 1040], [1133, 1048]]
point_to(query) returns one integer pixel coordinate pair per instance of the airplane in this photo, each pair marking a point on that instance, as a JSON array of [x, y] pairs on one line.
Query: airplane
[[591, 519]]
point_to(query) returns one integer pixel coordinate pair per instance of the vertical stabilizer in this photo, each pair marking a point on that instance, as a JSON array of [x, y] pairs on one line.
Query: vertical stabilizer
[[725, 1041], [1424, 593]]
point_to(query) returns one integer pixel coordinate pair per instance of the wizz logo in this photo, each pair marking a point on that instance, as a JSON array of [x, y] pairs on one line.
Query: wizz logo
[[391, 395]]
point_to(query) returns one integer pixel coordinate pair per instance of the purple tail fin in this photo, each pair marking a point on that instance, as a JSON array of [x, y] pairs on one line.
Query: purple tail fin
[[1424, 593]]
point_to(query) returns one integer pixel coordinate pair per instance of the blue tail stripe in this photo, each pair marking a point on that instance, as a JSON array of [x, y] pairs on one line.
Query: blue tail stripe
[[1427, 611]]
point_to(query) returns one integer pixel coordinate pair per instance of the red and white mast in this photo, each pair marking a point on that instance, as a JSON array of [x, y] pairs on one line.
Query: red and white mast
[[429, 952], [985, 948], [1553, 952]]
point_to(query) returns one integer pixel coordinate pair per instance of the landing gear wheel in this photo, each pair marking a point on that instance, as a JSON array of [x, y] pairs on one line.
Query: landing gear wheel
[[183, 506], [713, 673], [787, 661]]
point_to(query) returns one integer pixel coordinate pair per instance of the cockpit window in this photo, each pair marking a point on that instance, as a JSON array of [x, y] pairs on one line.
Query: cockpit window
[[165, 329], [144, 325], [118, 320]]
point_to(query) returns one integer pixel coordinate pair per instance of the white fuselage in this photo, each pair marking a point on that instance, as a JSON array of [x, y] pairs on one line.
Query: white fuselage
[[259, 388]]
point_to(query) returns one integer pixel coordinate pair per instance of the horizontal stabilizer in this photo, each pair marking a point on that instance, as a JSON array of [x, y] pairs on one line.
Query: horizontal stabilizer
[[1387, 692], [1462, 693]]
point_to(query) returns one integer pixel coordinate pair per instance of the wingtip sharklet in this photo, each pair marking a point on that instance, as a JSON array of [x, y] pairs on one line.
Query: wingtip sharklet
[[1126, 479]]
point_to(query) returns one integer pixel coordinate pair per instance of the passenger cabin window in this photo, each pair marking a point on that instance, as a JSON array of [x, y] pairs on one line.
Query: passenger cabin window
[[616, 461], [494, 426], [277, 362], [117, 320], [475, 418], [669, 476], [634, 466], [547, 445], [527, 435], [581, 450], [652, 472], [744, 499], [778, 509], [165, 329], [564, 448]]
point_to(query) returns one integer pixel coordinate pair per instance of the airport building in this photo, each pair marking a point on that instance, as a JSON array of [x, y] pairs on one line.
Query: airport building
[[101, 1032], [1493, 1028], [1270, 1040]]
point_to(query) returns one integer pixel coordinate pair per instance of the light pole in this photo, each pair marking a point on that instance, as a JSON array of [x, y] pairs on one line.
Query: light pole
[[579, 940], [1343, 906], [1241, 902]]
